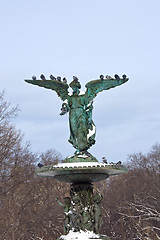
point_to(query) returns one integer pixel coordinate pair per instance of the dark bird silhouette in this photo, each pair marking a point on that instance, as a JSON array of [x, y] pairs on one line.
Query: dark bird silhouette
[[104, 159], [101, 77], [108, 77], [40, 165], [75, 78], [52, 77], [64, 80], [119, 163], [59, 78], [42, 77], [34, 77], [116, 76], [124, 76]]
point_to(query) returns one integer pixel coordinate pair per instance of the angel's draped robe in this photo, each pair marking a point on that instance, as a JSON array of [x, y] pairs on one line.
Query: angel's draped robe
[[80, 121]]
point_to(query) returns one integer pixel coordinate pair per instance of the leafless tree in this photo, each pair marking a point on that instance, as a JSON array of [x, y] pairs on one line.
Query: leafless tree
[[132, 202], [28, 210]]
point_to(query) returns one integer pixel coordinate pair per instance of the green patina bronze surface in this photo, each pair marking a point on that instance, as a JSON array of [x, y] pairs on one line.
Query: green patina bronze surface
[[82, 209], [80, 158], [79, 106]]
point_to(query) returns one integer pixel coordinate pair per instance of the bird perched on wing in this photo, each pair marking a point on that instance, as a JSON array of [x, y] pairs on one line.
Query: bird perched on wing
[[119, 163], [64, 80], [104, 159], [124, 76], [52, 77], [108, 77], [40, 165], [42, 77], [116, 76], [59, 78], [101, 77], [75, 78], [34, 77]]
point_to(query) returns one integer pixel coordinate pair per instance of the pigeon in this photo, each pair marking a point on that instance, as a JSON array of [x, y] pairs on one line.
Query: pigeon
[[104, 159], [59, 78], [34, 77], [75, 78], [119, 163], [52, 77], [124, 76], [42, 77], [116, 76], [64, 80], [108, 77], [40, 165], [101, 77]]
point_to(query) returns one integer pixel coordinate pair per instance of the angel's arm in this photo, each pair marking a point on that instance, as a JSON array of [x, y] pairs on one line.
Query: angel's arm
[[96, 86], [60, 204], [61, 88], [65, 108]]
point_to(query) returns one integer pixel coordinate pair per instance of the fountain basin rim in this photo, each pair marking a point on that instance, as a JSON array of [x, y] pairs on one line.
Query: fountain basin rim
[[75, 172]]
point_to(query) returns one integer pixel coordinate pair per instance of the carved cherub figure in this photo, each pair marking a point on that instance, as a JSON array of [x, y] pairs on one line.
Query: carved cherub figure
[[77, 210], [67, 213], [97, 198], [87, 219]]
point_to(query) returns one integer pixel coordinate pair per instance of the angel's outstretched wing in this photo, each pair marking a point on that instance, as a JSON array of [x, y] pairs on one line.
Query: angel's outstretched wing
[[61, 88], [96, 86]]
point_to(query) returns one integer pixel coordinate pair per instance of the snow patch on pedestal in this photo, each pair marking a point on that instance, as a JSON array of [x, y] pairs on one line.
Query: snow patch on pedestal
[[79, 156], [80, 236]]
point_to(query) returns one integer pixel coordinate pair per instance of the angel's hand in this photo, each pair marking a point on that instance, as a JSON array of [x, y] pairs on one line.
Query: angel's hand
[[64, 109]]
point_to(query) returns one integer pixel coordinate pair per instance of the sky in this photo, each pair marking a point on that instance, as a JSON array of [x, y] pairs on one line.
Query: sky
[[84, 39]]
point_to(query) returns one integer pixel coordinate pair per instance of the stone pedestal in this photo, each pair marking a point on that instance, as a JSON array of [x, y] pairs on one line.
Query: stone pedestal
[[82, 210], [82, 206], [82, 215]]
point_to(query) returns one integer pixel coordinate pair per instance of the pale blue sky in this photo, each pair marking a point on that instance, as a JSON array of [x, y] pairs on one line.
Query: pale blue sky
[[84, 38]]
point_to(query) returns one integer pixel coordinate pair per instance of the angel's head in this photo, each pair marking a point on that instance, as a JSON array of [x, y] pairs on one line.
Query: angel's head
[[67, 201], [75, 85]]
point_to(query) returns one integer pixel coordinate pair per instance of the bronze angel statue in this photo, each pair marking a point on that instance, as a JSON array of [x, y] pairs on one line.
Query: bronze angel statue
[[79, 106]]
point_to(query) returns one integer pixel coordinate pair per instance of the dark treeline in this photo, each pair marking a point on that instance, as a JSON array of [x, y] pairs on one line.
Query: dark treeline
[[28, 210]]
